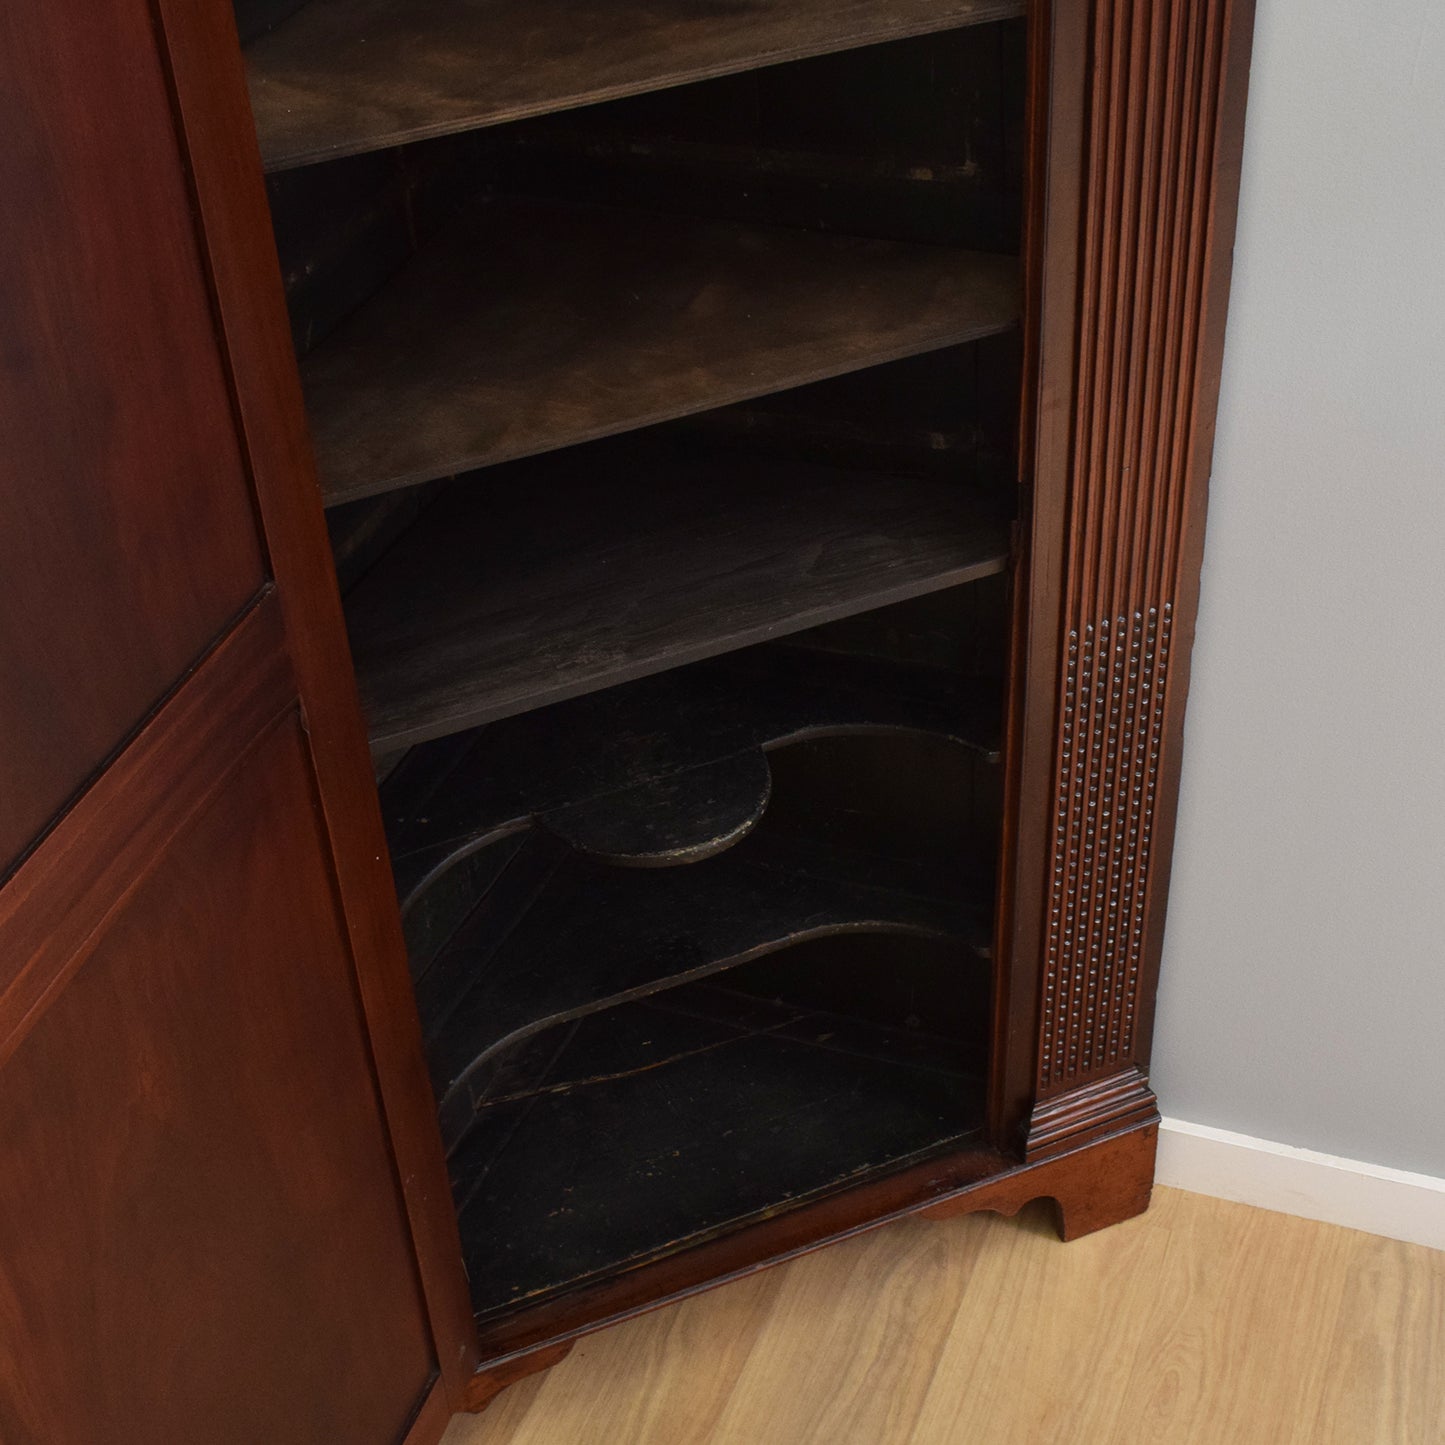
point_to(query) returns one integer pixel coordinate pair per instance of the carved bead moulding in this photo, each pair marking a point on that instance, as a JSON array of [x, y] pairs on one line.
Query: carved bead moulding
[[1149, 181]]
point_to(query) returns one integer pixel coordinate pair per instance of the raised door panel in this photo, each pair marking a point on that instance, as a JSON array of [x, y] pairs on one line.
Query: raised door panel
[[128, 536], [223, 1208], [203, 1234]]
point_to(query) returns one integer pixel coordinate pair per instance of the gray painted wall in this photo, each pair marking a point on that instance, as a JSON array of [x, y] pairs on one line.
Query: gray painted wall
[[1303, 997]]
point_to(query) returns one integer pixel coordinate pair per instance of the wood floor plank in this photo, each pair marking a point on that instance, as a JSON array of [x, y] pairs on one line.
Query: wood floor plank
[[856, 1337], [1171, 1370], [653, 1403], [1219, 1348], [1202, 1323], [1036, 1336], [1391, 1322], [1268, 1363]]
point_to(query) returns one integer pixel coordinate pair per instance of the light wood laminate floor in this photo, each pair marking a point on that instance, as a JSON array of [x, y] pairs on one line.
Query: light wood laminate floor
[[1202, 1322]]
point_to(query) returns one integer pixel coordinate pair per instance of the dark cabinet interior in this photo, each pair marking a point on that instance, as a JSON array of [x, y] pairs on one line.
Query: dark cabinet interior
[[665, 397]]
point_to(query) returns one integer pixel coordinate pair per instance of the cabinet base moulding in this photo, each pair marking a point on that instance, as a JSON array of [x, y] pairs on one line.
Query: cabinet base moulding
[[1093, 1185], [1090, 1111], [488, 1383]]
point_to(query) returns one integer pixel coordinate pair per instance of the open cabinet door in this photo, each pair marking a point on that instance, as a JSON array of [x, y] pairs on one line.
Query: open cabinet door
[[223, 1211]]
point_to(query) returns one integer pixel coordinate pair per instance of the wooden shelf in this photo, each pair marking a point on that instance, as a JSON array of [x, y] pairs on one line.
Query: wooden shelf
[[666, 770], [345, 76], [534, 325], [566, 575], [664, 1123], [590, 937]]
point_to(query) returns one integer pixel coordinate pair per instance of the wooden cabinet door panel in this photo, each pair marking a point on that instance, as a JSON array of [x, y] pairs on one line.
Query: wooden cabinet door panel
[[203, 1233], [224, 1215], [128, 536]]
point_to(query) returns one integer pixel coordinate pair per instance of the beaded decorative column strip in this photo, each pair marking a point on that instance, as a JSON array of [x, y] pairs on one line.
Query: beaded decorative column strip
[[1151, 169]]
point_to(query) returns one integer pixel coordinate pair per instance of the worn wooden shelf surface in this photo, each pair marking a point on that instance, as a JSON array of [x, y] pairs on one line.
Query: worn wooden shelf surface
[[566, 575], [663, 1123], [343, 76], [534, 325], [591, 936]]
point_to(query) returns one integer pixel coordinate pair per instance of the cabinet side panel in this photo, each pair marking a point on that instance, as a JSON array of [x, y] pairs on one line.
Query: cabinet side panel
[[127, 529], [204, 1237], [1162, 129]]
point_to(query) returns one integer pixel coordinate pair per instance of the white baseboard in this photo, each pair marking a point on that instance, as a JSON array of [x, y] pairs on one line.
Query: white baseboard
[[1300, 1182]]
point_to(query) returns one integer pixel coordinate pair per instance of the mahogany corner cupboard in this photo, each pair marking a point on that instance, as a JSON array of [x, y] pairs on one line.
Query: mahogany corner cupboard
[[597, 599]]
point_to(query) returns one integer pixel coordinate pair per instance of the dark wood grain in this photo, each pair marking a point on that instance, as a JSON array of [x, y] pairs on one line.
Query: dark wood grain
[[344, 76], [592, 937], [665, 770], [187, 1187], [581, 573], [532, 326], [127, 537], [59, 898], [658, 1126]]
